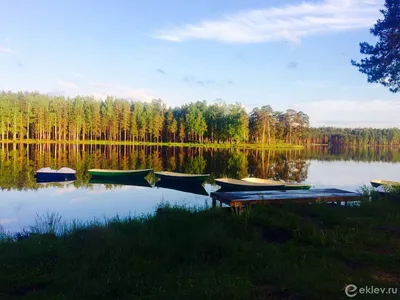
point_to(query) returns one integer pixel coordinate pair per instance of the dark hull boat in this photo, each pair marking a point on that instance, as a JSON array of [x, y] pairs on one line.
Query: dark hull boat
[[50, 175], [105, 174], [182, 178]]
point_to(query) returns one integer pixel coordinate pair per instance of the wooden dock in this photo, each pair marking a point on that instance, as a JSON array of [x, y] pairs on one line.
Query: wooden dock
[[236, 200]]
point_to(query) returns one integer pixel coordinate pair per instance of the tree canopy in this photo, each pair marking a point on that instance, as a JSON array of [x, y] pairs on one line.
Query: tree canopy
[[37, 116], [25, 115], [382, 64]]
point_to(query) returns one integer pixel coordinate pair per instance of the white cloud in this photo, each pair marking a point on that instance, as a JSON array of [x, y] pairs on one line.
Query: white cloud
[[102, 90], [67, 84], [7, 50], [64, 190], [285, 23], [350, 113]]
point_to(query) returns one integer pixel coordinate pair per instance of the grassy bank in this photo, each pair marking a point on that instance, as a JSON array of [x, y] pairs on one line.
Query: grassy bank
[[269, 252], [205, 145]]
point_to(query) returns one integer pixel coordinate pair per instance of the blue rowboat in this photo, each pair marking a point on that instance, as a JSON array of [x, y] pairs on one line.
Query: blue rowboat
[[50, 175]]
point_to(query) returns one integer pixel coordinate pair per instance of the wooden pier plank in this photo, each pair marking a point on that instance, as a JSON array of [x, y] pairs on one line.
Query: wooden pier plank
[[297, 196]]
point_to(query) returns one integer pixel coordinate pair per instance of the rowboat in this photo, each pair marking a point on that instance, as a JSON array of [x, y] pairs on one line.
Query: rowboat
[[182, 177], [241, 185], [379, 182], [197, 189], [50, 175], [287, 185], [118, 174], [142, 182]]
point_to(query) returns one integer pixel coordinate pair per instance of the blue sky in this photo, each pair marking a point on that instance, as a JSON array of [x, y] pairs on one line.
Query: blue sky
[[289, 54]]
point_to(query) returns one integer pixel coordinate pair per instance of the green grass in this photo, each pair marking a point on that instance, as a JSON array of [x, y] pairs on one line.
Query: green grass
[[168, 144], [268, 252]]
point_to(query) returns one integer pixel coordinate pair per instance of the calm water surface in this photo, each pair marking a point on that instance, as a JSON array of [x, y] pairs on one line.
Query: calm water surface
[[21, 198]]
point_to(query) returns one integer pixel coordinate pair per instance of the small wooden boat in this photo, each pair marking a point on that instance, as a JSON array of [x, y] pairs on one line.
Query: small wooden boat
[[197, 189], [50, 175], [182, 177], [118, 174], [229, 184], [379, 182], [287, 185]]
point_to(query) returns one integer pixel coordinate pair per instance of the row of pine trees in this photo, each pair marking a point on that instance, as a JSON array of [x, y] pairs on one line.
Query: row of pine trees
[[38, 116]]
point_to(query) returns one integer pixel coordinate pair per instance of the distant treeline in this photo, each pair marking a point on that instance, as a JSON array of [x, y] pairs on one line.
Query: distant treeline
[[43, 117], [27, 116], [354, 137]]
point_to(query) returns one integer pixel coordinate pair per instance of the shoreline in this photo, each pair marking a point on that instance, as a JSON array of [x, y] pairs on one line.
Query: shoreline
[[163, 144]]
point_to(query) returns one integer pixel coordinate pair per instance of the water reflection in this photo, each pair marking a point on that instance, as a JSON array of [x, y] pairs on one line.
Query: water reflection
[[142, 182], [21, 198], [18, 162], [187, 188]]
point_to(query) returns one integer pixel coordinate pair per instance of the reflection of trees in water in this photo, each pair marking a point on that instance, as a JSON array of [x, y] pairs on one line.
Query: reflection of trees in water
[[18, 162], [181, 158], [155, 160], [195, 165], [237, 164], [289, 165], [171, 163], [363, 154]]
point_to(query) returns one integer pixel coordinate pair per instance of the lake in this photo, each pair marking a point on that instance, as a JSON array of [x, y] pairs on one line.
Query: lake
[[22, 199]]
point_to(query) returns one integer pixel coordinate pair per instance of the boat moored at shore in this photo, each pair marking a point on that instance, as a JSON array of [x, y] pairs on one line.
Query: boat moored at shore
[[287, 185], [50, 175], [182, 177], [118, 174], [229, 184]]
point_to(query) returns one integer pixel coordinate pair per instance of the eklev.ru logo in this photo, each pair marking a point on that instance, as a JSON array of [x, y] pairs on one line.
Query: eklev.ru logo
[[352, 290]]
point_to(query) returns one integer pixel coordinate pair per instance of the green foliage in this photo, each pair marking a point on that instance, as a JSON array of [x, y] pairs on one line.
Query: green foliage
[[268, 252], [33, 116], [383, 62]]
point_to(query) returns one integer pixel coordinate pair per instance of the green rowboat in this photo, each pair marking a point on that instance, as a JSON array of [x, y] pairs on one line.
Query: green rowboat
[[287, 185], [182, 178], [118, 174]]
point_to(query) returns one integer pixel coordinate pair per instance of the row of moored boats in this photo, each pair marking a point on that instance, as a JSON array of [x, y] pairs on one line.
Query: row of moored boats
[[126, 176], [182, 179]]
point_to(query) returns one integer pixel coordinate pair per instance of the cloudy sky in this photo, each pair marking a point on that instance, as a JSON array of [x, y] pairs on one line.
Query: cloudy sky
[[286, 53]]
